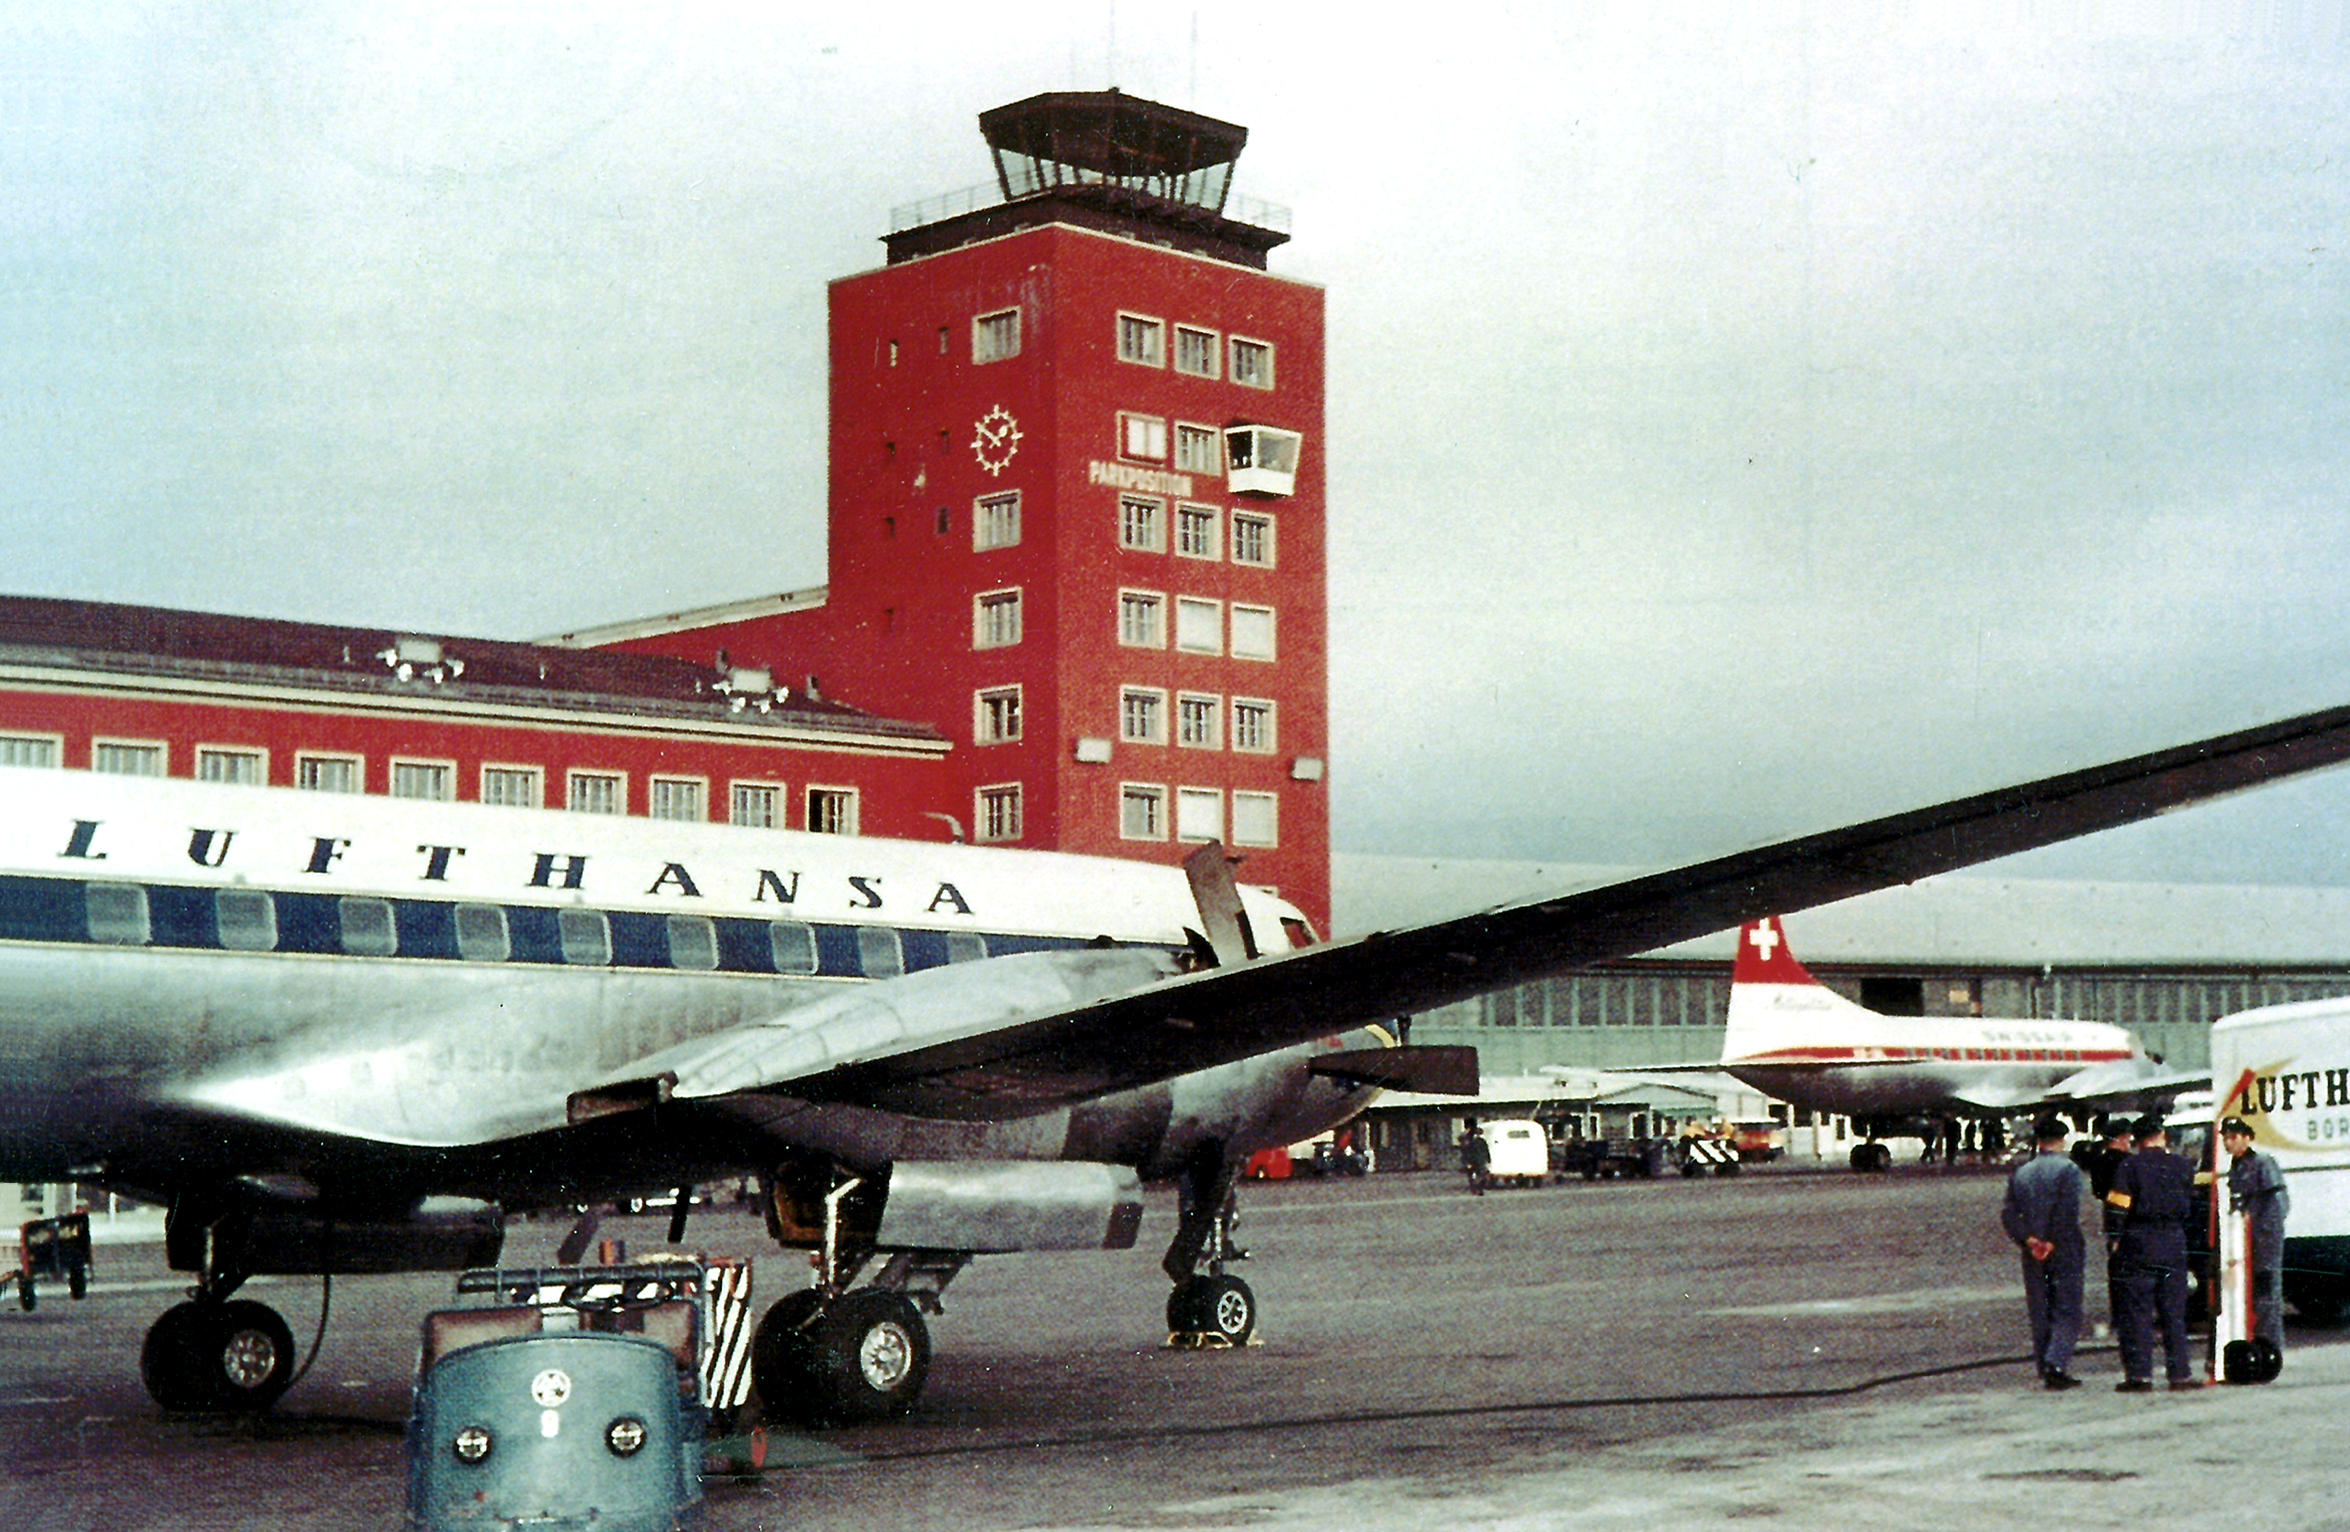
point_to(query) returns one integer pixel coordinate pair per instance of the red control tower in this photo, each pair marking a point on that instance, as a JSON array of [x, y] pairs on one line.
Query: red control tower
[[1077, 502]]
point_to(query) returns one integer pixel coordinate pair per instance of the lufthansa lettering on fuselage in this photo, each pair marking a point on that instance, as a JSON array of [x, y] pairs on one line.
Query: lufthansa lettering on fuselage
[[212, 847]]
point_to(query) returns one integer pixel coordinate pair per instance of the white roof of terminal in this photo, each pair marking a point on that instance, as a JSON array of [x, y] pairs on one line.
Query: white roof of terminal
[[1959, 918]]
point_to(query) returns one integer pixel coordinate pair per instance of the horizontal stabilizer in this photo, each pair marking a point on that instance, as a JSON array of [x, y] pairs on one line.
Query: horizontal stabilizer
[[1429, 1070]]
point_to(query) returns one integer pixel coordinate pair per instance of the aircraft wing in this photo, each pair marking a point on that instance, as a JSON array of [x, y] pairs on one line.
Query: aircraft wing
[[1028, 1055]]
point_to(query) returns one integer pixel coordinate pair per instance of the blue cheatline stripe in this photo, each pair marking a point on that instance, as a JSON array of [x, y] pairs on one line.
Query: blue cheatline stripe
[[177, 916]]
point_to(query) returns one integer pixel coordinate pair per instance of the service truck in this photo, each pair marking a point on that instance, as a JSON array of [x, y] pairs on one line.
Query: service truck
[[2285, 1069]]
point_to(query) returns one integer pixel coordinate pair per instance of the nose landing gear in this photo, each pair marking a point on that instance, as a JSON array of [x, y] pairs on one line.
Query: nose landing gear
[[1211, 1307]]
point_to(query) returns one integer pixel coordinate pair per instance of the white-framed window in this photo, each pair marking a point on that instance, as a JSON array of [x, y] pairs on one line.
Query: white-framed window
[[1142, 523], [228, 763], [757, 805], [685, 798], [1256, 819], [1197, 351], [1142, 715], [995, 619], [995, 336], [1198, 532], [1252, 538], [433, 780], [995, 521], [128, 757], [330, 773], [31, 749], [1252, 363], [1199, 449], [1142, 339], [996, 812], [1199, 625], [995, 715], [1142, 437], [1199, 721], [1142, 619], [596, 792], [832, 810], [1142, 811], [1252, 725], [1199, 813], [1252, 632], [514, 787]]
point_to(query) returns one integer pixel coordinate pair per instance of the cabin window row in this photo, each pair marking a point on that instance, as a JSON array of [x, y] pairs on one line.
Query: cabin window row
[[256, 920], [759, 805]]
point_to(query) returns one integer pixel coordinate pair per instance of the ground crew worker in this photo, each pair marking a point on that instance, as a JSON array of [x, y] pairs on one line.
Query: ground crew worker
[[2042, 1215], [2256, 1186], [2101, 1159], [2154, 1192], [1476, 1158]]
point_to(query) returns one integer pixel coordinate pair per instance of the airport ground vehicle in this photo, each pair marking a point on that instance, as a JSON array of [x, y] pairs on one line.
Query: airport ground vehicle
[[1758, 1143], [2285, 1069], [584, 1398], [1520, 1152], [1603, 1159], [50, 1250]]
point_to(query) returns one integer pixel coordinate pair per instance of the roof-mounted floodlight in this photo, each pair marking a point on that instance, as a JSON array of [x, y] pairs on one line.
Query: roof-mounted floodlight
[[1263, 459]]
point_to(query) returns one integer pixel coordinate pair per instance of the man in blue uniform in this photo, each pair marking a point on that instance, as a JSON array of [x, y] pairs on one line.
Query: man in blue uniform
[[2256, 1186], [2101, 1157], [2154, 1194], [2042, 1215]]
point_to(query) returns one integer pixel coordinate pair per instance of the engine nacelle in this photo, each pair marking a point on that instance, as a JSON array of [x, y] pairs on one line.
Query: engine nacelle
[[985, 1207], [280, 1239]]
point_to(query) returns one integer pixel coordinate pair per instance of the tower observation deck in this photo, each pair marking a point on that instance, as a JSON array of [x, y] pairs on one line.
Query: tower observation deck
[[1102, 160]]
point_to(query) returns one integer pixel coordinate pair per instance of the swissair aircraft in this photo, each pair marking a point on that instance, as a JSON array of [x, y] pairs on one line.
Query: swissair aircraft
[[352, 1034], [1792, 1037]]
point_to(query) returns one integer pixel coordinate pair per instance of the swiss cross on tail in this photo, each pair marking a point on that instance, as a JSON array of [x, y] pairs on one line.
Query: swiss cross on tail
[[1763, 957]]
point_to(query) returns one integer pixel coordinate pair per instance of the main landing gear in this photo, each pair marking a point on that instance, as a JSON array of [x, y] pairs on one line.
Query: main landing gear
[[217, 1355], [1211, 1306], [826, 1355]]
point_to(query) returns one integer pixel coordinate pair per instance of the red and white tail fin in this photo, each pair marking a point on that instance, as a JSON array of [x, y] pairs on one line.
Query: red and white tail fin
[[1775, 1003], [1763, 957]]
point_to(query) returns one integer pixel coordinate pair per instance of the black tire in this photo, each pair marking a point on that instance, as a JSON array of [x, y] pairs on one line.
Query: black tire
[[1726, 1168], [783, 1369], [77, 1282], [26, 1298], [871, 1355], [168, 1360], [218, 1357]]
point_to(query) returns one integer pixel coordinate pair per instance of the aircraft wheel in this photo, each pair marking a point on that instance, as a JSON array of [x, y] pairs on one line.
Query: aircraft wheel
[[783, 1368], [871, 1355], [1214, 1306], [218, 1357]]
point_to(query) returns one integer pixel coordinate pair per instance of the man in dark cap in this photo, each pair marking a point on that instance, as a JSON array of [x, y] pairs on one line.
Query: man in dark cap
[[2154, 1194], [2256, 1187], [2042, 1215], [2101, 1157]]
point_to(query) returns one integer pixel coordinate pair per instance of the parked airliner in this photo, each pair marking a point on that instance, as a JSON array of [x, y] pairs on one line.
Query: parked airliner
[[339, 1034], [1791, 1037]]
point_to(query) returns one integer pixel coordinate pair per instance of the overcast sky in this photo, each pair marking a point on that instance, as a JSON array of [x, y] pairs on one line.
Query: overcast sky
[[1742, 418]]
